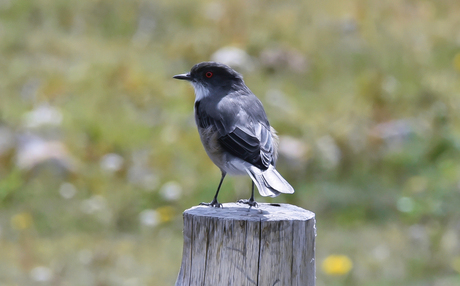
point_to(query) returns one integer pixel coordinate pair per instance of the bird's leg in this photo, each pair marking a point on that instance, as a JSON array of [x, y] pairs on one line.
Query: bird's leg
[[251, 202], [214, 202]]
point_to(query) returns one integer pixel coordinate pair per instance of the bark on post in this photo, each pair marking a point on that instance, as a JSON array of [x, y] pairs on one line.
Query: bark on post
[[273, 244]]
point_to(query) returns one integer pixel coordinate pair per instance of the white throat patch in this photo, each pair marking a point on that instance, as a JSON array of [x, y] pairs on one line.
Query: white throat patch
[[200, 91]]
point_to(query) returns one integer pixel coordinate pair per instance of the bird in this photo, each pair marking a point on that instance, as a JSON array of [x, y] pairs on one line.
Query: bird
[[234, 130]]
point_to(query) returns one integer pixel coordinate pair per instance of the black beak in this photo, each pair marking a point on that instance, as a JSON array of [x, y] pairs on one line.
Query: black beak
[[184, 76]]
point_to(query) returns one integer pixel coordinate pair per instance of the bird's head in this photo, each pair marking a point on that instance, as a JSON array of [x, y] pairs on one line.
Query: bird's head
[[212, 78]]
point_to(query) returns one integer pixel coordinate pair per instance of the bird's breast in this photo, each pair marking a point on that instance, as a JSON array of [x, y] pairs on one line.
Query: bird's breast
[[209, 138]]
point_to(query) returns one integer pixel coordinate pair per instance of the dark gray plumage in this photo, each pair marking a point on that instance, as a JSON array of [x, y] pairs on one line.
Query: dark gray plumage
[[234, 129]]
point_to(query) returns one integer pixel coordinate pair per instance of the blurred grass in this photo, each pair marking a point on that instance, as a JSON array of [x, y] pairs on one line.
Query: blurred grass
[[369, 90]]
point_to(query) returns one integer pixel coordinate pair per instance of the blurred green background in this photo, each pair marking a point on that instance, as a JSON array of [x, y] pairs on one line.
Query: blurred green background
[[99, 154]]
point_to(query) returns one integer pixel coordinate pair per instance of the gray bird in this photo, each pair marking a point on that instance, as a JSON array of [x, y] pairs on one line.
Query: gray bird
[[234, 129]]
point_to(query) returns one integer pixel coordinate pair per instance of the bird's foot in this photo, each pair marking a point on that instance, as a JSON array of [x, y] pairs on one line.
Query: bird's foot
[[251, 202], [214, 204]]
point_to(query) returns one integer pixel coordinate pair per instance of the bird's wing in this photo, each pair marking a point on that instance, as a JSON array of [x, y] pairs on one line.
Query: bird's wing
[[242, 135]]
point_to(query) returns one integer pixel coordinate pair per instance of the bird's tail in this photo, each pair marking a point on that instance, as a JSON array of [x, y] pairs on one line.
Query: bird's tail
[[269, 182]]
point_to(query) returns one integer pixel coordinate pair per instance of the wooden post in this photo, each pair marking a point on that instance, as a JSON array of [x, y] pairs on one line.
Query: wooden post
[[273, 244]]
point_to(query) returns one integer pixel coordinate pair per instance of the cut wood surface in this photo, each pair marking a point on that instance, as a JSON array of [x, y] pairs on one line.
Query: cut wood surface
[[273, 244]]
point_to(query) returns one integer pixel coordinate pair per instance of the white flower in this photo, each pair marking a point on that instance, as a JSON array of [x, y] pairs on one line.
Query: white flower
[[93, 204], [111, 162], [233, 57], [43, 115], [293, 148], [34, 150], [329, 151], [41, 274], [149, 218], [67, 190], [171, 191]]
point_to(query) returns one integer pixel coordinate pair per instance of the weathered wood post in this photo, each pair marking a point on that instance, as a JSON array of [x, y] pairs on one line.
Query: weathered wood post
[[273, 244]]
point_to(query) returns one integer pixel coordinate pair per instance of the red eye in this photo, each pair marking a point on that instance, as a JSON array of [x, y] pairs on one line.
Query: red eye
[[209, 74]]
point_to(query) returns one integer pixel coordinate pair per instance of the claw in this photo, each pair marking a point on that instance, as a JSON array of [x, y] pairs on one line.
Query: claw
[[214, 204], [249, 202]]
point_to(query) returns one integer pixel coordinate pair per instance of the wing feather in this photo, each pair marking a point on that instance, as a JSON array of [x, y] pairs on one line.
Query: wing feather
[[250, 140]]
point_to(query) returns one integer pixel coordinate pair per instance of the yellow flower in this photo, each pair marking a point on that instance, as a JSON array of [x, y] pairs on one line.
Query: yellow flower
[[166, 213], [456, 62], [456, 264], [21, 221], [337, 265], [417, 184]]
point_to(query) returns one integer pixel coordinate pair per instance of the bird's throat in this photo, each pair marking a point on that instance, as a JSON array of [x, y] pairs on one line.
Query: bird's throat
[[200, 91]]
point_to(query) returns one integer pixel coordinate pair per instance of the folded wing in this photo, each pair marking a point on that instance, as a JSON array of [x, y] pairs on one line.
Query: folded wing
[[243, 136]]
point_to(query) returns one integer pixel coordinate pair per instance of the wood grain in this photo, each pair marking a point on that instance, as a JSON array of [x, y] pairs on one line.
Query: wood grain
[[266, 246]]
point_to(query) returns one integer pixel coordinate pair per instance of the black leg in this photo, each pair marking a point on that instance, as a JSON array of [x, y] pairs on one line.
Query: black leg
[[214, 202], [251, 202]]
